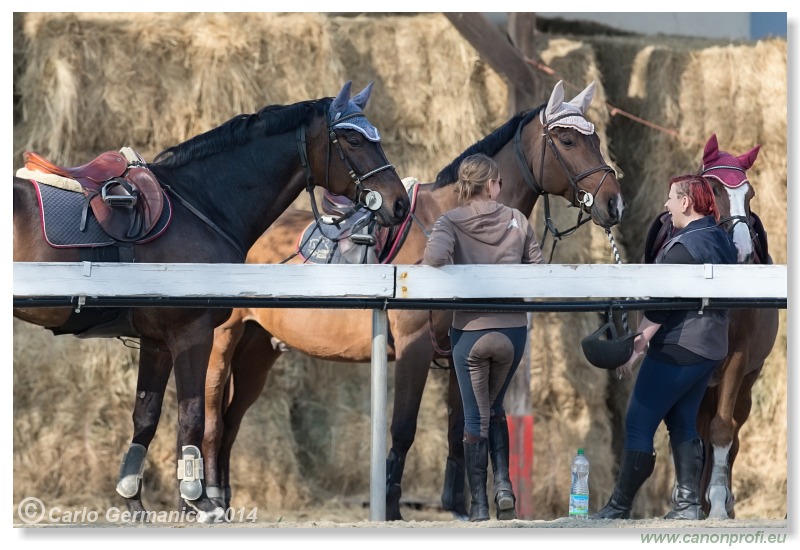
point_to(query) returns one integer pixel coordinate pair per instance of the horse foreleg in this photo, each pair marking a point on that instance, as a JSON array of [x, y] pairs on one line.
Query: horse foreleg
[[744, 403], [414, 355], [250, 368], [191, 350], [722, 432], [226, 337], [453, 496], [155, 365]]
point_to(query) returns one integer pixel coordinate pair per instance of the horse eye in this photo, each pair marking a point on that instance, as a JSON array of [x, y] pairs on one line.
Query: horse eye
[[567, 141], [354, 141]]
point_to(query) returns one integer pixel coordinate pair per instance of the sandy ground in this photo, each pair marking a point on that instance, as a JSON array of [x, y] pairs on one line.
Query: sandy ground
[[338, 516]]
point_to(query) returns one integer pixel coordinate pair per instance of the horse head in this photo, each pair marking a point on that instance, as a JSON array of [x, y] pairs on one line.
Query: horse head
[[353, 154], [582, 177], [727, 174]]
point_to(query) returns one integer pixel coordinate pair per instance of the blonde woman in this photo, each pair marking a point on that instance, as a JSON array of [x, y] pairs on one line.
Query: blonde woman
[[487, 347]]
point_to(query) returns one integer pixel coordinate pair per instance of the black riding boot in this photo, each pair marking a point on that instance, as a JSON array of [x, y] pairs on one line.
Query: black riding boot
[[688, 458], [394, 474], [634, 469], [498, 451], [476, 456]]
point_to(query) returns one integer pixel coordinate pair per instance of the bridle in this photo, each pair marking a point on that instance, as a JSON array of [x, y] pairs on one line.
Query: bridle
[[371, 200], [581, 198], [729, 223]]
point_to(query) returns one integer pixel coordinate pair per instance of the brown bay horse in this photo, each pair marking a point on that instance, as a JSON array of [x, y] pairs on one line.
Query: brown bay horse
[[224, 188], [727, 402], [539, 154]]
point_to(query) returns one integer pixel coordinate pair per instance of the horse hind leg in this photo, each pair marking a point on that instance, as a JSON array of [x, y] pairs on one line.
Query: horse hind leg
[[252, 361], [453, 495], [414, 355], [217, 396], [155, 365]]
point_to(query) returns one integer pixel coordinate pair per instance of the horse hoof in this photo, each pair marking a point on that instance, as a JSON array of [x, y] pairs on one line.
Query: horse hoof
[[215, 516], [719, 500], [459, 516]]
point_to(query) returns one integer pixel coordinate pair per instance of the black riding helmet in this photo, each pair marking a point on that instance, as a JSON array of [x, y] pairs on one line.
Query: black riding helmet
[[605, 349]]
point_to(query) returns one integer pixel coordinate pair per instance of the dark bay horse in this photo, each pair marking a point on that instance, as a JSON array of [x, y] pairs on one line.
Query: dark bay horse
[[225, 187], [549, 150], [751, 335]]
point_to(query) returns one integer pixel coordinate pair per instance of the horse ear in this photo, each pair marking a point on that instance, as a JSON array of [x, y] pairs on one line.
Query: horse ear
[[363, 96], [342, 98], [556, 99], [711, 152], [749, 158], [584, 99]]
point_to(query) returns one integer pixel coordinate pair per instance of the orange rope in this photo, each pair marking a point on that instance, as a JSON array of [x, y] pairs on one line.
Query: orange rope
[[616, 110]]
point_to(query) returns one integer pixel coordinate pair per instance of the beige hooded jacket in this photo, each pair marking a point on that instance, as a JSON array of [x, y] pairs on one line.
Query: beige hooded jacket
[[483, 232]]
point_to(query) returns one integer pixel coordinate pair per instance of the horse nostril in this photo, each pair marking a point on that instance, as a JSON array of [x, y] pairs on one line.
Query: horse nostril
[[612, 209], [400, 209]]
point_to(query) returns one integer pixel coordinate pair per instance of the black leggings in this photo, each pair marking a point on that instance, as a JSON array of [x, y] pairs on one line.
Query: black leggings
[[485, 361]]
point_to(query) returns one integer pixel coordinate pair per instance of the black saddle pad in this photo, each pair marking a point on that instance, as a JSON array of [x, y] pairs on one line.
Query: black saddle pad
[[61, 212]]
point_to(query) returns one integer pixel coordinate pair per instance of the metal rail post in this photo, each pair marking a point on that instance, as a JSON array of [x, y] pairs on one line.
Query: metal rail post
[[377, 493]]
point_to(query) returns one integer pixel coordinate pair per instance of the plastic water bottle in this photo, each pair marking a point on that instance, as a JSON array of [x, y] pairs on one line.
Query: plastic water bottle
[[579, 491]]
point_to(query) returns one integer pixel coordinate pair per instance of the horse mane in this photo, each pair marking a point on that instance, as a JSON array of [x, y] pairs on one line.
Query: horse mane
[[489, 145], [272, 119]]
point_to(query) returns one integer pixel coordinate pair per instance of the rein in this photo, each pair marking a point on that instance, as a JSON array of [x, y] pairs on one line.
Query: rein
[[583, 198]]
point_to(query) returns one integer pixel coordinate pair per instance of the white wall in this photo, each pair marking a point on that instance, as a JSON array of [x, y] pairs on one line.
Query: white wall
[[733, 26]]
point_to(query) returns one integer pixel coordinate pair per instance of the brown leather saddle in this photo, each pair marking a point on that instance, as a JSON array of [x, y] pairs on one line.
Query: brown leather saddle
[[125, 196]]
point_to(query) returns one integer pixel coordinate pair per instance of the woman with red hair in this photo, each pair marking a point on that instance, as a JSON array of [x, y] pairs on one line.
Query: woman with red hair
[[682, 350]]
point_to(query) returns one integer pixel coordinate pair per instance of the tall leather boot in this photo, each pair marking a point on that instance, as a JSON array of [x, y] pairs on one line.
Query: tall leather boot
[[476, 457], [688, 458], [634, 469], [498, 451]]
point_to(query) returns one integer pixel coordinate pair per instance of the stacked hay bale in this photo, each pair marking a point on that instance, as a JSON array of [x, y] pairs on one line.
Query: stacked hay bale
[[92, 82]]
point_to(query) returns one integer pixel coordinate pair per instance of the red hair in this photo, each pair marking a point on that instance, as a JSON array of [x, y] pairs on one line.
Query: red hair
[[699, 191]]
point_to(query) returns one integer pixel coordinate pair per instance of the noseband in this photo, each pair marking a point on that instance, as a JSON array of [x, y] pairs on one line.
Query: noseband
[[371, 200], [581, 198]]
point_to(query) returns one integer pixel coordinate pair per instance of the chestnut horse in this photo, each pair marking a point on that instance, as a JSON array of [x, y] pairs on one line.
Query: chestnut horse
[[751, 335], [223, 188], [552, 149]]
